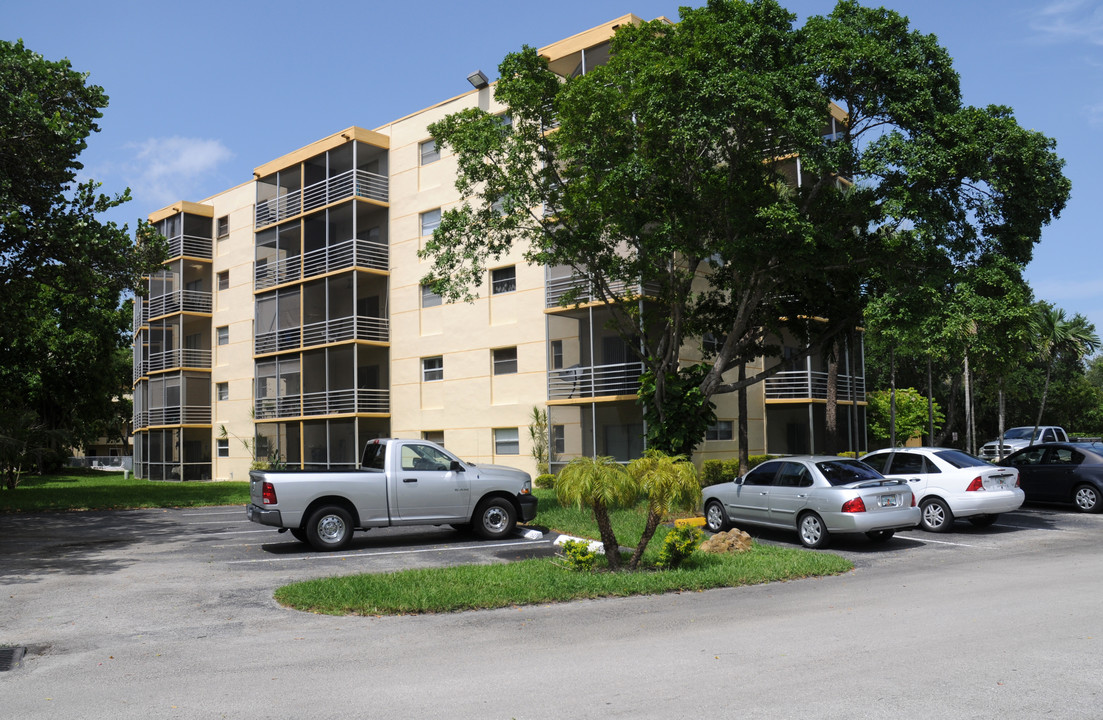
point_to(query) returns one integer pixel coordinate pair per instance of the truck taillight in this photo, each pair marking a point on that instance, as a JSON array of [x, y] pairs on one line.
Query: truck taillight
[[269, 494], [854, 506], [977, 484]]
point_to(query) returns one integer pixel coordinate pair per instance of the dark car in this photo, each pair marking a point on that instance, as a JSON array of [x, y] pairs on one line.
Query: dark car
[[1061, 472]]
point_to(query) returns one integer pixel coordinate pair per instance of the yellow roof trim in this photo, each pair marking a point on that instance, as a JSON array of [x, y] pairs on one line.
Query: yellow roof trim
[[320, 146], [587, 38], [182, 206]]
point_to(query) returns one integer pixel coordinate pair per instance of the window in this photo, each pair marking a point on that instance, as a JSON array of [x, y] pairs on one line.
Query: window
[[436, 436], [223, 390], [503, 280], [224, 280], [505, 361], [762, 475], [719, 430], [223, 226], [223, 335], [429, 221], [904, 463], [557, 354], [429, 152], [559, 439], [432, 368], [428, 297], [506, 441], [223, 447]]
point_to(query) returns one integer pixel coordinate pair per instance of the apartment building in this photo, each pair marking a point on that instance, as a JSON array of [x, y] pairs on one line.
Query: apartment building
[[291, 324]]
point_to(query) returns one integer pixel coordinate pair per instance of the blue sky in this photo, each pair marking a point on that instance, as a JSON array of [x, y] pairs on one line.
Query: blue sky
[[203, 92]]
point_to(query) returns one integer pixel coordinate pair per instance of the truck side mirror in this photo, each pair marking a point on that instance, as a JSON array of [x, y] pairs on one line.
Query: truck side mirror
[[456, 466]]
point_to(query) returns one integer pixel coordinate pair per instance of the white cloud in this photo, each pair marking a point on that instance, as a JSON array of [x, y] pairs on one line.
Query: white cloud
[[1069, 21], [164, 170]]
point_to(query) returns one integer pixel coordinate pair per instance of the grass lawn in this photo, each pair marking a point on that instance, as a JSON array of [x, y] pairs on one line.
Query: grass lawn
[[547, 580], [80, 489]]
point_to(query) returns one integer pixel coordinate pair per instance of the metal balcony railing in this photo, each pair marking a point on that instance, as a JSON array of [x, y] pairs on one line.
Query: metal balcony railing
[[191, 246], [807, 385], [179, 415], [588, 381], [141, 313], [343, 329], [343, 255], [358, 183], [179, 301], [331, 402], [556, 288], [179, 358]]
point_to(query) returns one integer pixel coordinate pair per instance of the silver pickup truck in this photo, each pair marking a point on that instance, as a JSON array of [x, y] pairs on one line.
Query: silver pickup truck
[[399, 482]]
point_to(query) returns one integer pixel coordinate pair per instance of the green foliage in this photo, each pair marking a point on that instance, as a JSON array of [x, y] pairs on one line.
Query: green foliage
[[79, 489], [601, 484], [578, 555], [676, 411], [538, 434], [911, 414], [1054, 335], [544, 481], [62, 271], [715, 471], [678, 545], [669, 483]]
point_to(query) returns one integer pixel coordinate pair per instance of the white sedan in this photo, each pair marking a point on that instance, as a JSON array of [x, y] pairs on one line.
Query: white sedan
[[951, 484]]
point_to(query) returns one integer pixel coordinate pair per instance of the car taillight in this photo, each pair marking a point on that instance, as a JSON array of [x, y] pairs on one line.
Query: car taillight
[[977, 484], [853, 506], [913, 499], [269, 494]]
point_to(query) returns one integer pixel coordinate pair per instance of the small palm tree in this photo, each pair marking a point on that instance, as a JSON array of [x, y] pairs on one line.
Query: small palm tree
[[668, 482], [1054, 335], [601, 484]]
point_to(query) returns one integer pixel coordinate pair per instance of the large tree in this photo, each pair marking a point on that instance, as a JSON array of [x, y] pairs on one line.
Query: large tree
[[702, 166], [62, 270]]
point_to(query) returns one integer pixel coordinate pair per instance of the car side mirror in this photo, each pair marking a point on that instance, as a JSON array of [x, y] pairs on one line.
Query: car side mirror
[[456, 466], [737, 480]]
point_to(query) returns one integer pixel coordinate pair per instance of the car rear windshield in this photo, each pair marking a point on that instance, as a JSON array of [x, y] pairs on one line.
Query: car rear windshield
[[844, 472], [960, 459]]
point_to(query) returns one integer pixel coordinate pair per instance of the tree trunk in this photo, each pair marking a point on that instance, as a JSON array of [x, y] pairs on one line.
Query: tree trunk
[[741, 398], [930, 403], [1003, 416], [968, 408], [653, 520], [892, 398], [608, 537], [831, 409], [1042, 408]]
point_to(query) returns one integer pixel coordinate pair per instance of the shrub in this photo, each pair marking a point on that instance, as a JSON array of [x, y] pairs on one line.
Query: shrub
[[578, 555], [544, 481], [714, 472], [679, 544]]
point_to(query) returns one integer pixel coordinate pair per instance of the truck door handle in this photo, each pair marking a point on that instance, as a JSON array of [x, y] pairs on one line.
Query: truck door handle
[[409, 479]]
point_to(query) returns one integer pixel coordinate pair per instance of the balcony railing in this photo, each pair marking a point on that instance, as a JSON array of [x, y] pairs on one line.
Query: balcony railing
[[179, 301], [331, 402], [582, 381], [179, 415], [359, 183], [361, 327], [191, 246], [347, 254], [806, 385], [179, 358], [556, 288], [141, 313]]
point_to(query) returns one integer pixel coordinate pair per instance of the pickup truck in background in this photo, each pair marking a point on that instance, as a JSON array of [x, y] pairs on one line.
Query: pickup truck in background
[[1019, 437], [399, 482]]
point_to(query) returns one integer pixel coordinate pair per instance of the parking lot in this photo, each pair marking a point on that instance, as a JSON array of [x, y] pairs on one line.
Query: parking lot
[[120, 608]]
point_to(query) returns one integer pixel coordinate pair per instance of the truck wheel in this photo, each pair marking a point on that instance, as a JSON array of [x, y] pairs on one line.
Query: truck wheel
[[329, 528], [494, 518]]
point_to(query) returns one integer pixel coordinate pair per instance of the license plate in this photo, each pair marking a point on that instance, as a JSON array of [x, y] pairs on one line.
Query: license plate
[[890, 500]]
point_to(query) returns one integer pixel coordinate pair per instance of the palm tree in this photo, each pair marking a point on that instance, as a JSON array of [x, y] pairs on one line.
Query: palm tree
[[668, 482], [602, 484], [1056, 335]]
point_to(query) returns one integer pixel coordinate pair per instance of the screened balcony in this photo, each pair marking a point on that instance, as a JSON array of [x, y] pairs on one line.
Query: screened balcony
[[590, 381], [810, 385], [558, 285], [339, 308], [188, 235], [176, 399], [341, 380], [183, 286]]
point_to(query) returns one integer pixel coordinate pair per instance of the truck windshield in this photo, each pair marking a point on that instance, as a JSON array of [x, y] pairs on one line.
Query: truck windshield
[[1022, 433]]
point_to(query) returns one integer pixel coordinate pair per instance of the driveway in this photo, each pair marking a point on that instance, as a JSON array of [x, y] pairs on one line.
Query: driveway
[[169, 613]]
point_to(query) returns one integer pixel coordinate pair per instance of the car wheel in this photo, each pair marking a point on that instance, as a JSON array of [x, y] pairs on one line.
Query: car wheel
[[329, 528], [880, 536], [299, 534], [813, 533], [983, 520], [1087, 499], [716, 520], [494, 518], [935, 516]]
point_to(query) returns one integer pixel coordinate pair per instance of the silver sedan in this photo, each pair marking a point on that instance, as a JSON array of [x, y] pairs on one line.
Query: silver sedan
[[816, 496]]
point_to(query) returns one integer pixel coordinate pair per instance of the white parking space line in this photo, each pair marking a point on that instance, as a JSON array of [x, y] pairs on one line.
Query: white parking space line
[[213, 522], [329, 556], [236, 511], [947, 542]]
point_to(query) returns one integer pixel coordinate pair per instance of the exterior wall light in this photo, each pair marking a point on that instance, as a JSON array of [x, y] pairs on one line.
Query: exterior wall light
[[478, 79]]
